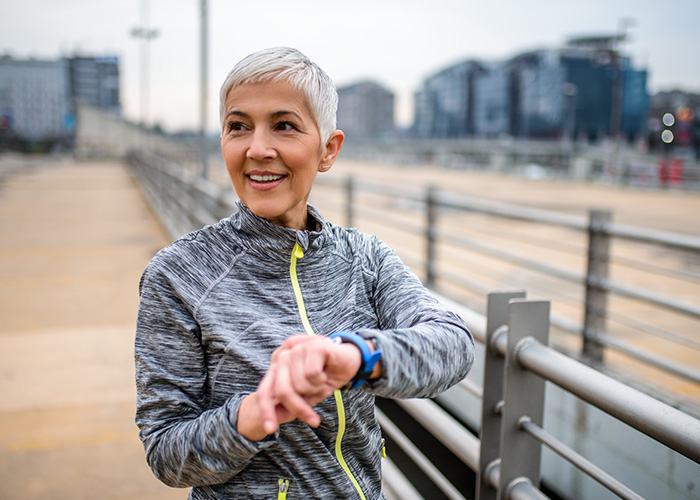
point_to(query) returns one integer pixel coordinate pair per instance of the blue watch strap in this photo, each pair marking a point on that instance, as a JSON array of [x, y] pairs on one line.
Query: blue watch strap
[[369, 358]]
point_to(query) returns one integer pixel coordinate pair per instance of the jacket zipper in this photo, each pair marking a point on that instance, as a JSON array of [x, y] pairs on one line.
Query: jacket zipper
[[298, 253], [283, 488]]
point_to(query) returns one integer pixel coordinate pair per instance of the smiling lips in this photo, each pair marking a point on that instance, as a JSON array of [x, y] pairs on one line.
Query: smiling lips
[[265, 178], [265, 182]]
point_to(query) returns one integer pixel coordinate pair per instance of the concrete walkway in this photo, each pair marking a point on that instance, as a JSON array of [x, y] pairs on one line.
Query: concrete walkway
[[75, 239]]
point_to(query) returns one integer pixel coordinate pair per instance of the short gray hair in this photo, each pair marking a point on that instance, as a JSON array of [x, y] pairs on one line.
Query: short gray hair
[[288, 64]]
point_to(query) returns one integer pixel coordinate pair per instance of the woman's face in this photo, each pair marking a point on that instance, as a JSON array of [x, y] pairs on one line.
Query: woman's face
[[272, 149]]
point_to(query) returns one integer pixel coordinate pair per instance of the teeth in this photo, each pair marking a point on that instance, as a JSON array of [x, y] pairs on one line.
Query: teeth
[[265, 178]]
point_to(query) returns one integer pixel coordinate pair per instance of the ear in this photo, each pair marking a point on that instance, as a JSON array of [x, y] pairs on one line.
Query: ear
[[335, 142]]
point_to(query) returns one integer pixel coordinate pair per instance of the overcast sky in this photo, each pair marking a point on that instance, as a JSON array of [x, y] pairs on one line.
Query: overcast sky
[[396, 43]]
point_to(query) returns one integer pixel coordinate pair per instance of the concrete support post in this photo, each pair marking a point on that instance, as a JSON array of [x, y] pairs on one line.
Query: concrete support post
[[349, 201], [430, 236], [596, 276]]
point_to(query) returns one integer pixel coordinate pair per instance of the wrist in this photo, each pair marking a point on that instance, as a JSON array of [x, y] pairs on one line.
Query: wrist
[[377, 370], [249, 423], [370, 357]]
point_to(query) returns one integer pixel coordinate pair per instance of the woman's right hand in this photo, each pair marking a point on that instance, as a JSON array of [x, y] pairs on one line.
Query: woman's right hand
[[303, 371]]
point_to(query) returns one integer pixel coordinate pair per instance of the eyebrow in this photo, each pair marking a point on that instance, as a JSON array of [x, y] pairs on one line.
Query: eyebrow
[[275, 114]]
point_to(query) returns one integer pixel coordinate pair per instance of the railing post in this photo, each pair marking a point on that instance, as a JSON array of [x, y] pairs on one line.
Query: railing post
[[523, 396], [349, 201], [596, 275], [494, 365], [430, 235]]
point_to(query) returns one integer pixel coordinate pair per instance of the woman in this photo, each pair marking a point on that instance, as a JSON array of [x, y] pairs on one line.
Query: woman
[[238, 375]]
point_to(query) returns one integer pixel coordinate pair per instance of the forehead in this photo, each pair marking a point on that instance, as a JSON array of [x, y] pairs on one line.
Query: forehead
[[267, 97]]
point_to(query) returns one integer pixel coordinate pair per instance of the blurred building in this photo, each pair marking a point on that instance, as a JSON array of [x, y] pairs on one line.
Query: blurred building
[[495, 103], [586, 90], [95, 80], [444, 106], [35, 102], [37, 98], [365, 111]]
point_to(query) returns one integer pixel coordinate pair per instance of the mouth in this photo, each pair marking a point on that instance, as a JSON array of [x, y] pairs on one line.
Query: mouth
[[265, 179]]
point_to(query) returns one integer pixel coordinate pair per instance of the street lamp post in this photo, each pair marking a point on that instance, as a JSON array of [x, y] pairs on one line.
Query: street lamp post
[[203, 90], [146, 35], [617, 57]]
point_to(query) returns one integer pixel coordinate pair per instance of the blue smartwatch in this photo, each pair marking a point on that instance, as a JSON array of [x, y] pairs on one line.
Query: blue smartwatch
[[369, 359]]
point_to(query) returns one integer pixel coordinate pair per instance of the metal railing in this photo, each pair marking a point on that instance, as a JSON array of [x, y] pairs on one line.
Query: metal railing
[[517, 362], [595, 282]]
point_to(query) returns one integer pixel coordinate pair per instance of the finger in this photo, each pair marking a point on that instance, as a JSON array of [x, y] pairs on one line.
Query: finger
[[291, 400], [307, 368], [267, 402], [292, 342]]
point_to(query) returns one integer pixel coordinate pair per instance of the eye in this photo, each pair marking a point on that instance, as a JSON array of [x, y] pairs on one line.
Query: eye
[[236, 126], [285, 127]]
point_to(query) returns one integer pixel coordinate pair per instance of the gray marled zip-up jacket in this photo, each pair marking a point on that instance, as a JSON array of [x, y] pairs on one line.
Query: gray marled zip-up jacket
[[216, 303]]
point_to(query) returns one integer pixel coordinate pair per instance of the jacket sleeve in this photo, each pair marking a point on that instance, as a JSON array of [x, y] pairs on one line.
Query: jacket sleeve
[[426, 349], [185, 444]]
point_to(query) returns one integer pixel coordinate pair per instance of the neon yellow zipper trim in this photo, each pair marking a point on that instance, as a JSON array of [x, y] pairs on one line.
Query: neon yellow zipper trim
[[282, 489], [298, 253]]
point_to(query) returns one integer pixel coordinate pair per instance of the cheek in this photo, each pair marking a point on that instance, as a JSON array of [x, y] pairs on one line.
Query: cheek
[[231, 156]]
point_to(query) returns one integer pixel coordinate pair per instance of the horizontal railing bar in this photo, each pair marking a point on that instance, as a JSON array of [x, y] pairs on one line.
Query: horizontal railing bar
[[405, 192], [417, 456], [579, 461], [462, 202], [463, 282], [565, 324], [654, 330], [393, 480], [475, 321], [522, 490], [207, 188], [525, 490], [408, 192], [669, 426], [565, 274], [650, 297], [415, 263], [491, 251], [525, 235], [648, 267], [451, 433], [471, 388], [386, 220], [679, 241], [661, 363]]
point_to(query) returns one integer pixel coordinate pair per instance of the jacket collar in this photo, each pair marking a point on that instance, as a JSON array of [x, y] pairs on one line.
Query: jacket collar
[[259, 233]]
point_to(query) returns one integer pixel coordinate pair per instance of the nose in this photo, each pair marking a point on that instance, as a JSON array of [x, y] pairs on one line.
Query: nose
[[260, 147]]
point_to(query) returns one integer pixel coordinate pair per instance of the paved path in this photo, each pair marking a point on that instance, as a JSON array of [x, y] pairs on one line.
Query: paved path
[[75, 238]]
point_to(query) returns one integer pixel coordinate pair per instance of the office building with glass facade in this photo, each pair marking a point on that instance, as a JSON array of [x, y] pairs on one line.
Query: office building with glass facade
[[586, 91]]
